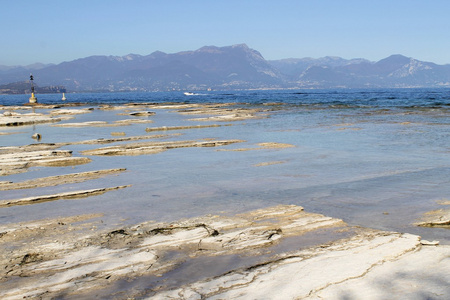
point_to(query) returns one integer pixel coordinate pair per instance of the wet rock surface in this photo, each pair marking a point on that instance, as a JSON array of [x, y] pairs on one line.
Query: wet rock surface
[[53, 197], [437, 218], [347, 260], [155, 147], [13, 163], [368, 265], [58, 180], [73, 261], [18, 119], [151, 129]]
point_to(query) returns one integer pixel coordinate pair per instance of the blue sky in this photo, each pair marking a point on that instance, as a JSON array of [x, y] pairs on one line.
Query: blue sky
[[56, 31]]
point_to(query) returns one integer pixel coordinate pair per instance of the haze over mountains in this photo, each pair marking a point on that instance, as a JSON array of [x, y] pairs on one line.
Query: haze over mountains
[[228, 68]]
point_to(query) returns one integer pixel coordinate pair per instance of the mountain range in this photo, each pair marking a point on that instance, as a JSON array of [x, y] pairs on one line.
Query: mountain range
[[227, 68]]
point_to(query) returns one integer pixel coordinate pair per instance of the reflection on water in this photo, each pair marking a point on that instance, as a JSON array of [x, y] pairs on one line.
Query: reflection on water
[[371, 166]]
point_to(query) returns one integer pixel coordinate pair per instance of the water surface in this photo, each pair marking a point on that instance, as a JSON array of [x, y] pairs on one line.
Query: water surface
[[375, 158]]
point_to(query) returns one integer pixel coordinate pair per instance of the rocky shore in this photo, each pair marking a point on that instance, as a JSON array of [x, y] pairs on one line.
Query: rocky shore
[[276, 252]]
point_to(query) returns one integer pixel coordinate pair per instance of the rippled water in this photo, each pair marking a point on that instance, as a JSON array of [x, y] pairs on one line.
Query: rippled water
[[382, 98], [376, 158]]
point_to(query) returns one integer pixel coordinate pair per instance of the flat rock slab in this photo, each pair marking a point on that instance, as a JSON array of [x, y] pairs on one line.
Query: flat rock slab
[[103, 123], [16, 119], [84, 124], [58, 180], [230, 117], [52, 146], [164, 128], [363, 263], [262, 146], [141, 113], [436, 218], [53, 197], [223, 114], [71, 111], [155, 147], [13, 163], [132, 121], [28, 148], [367, 266]]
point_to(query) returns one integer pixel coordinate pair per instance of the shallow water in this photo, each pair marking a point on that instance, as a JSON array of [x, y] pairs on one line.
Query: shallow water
[[378, 159]]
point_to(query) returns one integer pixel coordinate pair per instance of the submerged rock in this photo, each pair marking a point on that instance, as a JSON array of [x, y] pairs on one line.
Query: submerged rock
[[53, 197], [436, 218], [16, 119], [13, 163], [57, 180], [36, 136], [155, 147], [142, 113]]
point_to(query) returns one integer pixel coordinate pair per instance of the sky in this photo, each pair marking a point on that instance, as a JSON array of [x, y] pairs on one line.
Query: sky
[[51, 31]]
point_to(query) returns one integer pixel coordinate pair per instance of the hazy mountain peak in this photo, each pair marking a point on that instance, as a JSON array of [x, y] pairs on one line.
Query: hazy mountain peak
[[127, 57], [157, 54], [395, 59], [209, 49], [215, 48], [333, 58], [243, 46]]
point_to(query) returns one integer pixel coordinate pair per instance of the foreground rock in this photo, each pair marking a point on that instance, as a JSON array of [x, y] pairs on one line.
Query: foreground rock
[[265, 254], [367, 266]]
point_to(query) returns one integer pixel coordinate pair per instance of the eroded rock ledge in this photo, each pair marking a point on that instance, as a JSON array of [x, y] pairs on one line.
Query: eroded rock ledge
[[13, 163], [264, 254], [52, 197], [437, 218], [155, 147], [17, 119], [57, 180]]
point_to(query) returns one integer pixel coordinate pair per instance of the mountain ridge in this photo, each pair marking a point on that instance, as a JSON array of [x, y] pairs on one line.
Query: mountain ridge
[[226, 68]]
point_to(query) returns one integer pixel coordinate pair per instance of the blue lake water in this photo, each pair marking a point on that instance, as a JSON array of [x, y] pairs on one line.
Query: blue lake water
[[375, 158], [347, 97]]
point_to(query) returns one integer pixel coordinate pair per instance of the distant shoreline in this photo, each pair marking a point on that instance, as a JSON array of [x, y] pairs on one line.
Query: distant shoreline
[[2, 92]]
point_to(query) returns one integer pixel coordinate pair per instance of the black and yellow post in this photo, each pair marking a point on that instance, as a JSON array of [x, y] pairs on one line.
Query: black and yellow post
[[33, 98]]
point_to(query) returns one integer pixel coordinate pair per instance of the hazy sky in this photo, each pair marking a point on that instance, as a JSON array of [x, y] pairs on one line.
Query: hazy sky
[[55, 31]]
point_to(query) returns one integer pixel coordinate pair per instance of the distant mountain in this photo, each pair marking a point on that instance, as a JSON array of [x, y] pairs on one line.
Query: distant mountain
[[296, 66], [393, 71], [227, 68], [233, 67]]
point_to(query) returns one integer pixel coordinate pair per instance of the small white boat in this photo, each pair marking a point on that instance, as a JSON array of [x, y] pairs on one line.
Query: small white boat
[[63, 97], [189, 94]]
